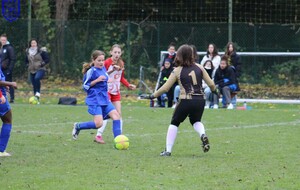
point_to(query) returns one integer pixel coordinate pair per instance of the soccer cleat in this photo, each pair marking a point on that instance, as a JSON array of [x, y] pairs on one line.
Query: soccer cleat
[[205, 143], [165, 153], [215, 106], [4, 154], [75, 131], [230, 107], [98, 139]]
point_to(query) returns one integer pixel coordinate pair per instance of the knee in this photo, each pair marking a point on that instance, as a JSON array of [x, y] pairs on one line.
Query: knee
[[98, 124], [226, 88], [115, 115], [175, 122], [193, 121]]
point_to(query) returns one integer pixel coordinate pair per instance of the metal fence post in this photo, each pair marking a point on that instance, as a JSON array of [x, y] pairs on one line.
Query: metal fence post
[[128, 49]]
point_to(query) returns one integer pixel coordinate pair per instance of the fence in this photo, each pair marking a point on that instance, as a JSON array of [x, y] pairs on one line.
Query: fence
[[142, 43]]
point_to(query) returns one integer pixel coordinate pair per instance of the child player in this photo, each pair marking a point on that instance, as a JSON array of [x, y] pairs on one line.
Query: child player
[[95, 84], [189, 76], [115, 70], [5, 114]]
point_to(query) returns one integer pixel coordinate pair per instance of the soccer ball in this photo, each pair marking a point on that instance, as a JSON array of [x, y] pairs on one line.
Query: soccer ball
[[33, 100], [121, 142]]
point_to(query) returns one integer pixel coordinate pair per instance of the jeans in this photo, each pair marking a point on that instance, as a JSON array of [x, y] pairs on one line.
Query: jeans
[[176, 93], [209, 97], [36, 80]]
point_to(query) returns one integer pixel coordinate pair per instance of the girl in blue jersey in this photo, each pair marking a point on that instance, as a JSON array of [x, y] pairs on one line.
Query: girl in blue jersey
[[5, 114], [95, 84]]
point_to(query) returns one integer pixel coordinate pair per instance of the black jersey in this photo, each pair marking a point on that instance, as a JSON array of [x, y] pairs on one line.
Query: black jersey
[[189, 80]]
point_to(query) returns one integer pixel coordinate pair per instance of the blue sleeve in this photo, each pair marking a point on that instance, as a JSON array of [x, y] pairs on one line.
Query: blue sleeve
[[87, 80]]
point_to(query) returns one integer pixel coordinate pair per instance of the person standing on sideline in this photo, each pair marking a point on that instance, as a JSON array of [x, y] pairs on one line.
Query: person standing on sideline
[[36, 60], [189, 76], [115, 70], [95, 84], [8, 59], [5, 114]]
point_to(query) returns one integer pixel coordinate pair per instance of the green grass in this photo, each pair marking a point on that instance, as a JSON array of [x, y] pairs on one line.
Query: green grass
[[252, 149]]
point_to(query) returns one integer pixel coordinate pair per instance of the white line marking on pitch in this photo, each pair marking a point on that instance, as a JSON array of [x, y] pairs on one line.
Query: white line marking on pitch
[[155, 134]]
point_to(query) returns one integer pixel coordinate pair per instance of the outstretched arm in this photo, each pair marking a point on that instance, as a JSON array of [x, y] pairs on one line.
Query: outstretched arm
[[6, 83]]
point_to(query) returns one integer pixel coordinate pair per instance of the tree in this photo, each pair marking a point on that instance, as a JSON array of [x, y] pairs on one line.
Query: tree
[[62, 12]]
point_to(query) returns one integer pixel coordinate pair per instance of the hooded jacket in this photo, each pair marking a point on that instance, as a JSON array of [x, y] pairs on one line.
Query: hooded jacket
[[225, 77], [8, 58]]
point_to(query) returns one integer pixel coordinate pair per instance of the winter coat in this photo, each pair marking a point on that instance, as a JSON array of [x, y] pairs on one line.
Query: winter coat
[[37, 61], [235, 61], [225, 77], [165, 73], [8, 58]]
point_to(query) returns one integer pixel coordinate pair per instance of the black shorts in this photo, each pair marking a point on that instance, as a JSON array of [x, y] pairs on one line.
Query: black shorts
[[188, 107]]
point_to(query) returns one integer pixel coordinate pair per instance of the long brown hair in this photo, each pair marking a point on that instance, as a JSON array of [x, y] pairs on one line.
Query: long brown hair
[[227, 48], [87, 66], [184, 56], [215, 52], [120, 61]]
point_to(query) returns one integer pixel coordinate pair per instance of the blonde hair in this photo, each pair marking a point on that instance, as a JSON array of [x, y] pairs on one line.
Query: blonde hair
[[120, 61], [87, 66]]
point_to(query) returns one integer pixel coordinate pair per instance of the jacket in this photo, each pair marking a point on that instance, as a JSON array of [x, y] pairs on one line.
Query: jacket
[[225, 77], [235, 61], [37, 61], [8, 58]]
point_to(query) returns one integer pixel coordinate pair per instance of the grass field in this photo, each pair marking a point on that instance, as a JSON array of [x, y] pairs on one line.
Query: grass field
[[252, 149]]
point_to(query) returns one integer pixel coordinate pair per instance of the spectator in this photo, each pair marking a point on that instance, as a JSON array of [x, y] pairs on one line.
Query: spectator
[[36, 60], [233, 58], [226, 81], [165, 73], [213, 55], [170, 55], [196, 56], [235, 61], [209, 67], [8, 59]]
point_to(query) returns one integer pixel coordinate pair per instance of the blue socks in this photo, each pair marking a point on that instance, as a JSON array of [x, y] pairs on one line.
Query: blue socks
[[116, 128], [86, 125], [4, 136], [91, 125]]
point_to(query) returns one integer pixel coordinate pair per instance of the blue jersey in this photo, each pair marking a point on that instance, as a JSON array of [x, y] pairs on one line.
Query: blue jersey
[[4, 108], [2, 78], [97, 94]]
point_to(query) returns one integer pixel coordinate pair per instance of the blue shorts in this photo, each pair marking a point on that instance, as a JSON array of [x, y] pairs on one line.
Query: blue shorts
[[4, 108], [101, 110]]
